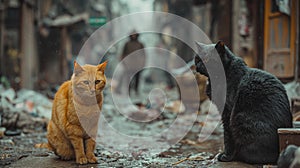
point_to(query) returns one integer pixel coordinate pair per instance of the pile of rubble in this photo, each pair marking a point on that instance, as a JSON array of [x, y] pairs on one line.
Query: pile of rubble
[[23, 111]]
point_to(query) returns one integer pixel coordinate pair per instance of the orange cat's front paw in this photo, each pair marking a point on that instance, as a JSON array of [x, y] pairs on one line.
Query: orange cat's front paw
[[92, 159], [82, 160]]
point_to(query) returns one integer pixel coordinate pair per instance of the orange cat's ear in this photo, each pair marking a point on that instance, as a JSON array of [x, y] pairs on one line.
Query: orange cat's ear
[[77, 68], [101, 67]]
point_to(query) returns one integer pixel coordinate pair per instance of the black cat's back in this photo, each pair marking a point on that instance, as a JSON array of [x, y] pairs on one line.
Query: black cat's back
[[261, 107], [264, 94]]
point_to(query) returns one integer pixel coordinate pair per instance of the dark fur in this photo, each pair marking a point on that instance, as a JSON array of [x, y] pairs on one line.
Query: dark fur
[[256, 106]]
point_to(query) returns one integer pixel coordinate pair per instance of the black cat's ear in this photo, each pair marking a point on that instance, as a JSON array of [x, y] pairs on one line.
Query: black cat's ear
[[77, 68], [200, 46], [220, 47]]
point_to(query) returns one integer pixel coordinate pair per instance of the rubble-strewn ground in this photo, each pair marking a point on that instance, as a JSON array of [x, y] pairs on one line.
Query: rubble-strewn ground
[[114, 151], [18, 151]]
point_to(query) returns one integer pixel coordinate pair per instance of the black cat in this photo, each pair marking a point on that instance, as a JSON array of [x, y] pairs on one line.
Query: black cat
[[256, 106]]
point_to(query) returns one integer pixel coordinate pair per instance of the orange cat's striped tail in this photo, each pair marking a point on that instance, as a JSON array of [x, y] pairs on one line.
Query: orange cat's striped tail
[[43, 145]]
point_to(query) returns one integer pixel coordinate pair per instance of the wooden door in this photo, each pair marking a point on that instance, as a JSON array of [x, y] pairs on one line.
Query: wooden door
[[279, 39]]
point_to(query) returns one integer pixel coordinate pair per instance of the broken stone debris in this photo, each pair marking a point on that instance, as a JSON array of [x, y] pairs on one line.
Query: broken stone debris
[[24, 109], [2, 130]]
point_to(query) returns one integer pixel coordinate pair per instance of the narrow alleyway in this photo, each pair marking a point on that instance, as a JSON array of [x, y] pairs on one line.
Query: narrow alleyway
[[159, 124]]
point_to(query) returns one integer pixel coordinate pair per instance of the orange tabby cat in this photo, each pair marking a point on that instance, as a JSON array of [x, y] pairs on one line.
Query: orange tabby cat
[[76, 108]]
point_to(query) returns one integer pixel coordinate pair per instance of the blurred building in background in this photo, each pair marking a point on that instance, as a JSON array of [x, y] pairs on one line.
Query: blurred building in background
[[264, 32], [40, 39]]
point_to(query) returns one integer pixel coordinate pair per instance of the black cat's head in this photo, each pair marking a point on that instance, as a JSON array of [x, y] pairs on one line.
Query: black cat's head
[[208, 54]]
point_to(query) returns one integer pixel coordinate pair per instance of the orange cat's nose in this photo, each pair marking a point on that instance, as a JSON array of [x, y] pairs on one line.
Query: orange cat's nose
[[93, 92]]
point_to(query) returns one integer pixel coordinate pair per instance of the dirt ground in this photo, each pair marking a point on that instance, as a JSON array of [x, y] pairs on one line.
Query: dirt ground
[[18, 151], [111, 151]]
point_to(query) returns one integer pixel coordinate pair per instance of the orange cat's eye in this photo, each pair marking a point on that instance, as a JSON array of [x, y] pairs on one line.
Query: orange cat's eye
[[86, 82], [97, 81]]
